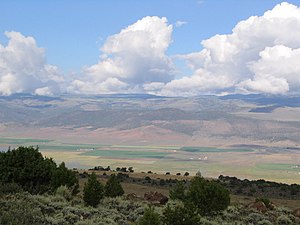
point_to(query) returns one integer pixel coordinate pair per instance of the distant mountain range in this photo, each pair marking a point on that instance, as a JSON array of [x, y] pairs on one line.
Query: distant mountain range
[[233, 118]]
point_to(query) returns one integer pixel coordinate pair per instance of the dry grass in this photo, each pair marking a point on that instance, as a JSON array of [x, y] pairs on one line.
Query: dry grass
[[142, 175], [140, 189], [129, 188]]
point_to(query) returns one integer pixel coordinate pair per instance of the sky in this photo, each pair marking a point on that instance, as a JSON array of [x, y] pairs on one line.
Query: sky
[[163, 47]]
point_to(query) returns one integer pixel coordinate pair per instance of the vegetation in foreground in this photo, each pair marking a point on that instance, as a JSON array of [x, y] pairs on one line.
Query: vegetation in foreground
[[42, 201], [27, 209]]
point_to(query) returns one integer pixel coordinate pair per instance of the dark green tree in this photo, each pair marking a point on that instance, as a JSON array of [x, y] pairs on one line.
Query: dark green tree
[[63, 176], [178, 191], [27, 167], [92, 191], [207, 196], [113, 187], [150, 217], [180, 215]]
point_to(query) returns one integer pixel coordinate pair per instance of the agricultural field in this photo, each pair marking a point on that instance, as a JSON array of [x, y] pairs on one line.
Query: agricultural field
[[253, 163]]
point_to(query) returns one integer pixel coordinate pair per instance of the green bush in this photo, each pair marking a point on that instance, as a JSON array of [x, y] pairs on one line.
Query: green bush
[[150, 217], [24, 208], [284, 220], [113, 187], [178, 191], [93, 191], [207, 196], [16, 212], [65, 192], [180, 215], [254, 218], [97, 221], [9, 188], [231, 213], [209, 221], [132, 210], [264, 222]]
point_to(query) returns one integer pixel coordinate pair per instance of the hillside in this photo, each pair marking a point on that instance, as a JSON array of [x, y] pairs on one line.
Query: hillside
[[258, 133]]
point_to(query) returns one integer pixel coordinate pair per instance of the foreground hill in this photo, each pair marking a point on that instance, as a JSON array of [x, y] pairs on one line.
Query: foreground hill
[[34, 190], [62, 208]]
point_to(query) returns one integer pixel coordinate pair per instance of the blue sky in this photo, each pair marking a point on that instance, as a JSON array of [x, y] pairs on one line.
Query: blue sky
[[72, 31], [221, 47]]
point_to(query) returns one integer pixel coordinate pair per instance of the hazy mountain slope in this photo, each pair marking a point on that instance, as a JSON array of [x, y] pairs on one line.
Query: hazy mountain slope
[[206, 117]]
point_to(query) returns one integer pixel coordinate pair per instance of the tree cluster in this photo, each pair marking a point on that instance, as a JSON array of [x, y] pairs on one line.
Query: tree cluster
[[260, 188], [26, 167], [94, 191], [203, 196]]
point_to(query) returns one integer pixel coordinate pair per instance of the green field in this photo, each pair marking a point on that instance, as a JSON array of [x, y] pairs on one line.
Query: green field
[[229, 161], [145, 147], [67, 147], [20, 141], [279, 167], [125, 154], [207, 149]]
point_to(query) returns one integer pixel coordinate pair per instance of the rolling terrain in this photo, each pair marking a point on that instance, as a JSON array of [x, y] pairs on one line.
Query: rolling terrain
[[214, 134]]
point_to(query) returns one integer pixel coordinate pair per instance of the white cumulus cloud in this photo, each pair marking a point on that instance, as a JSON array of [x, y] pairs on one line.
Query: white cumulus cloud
[[262, 55], [23, 67], [130, 59]]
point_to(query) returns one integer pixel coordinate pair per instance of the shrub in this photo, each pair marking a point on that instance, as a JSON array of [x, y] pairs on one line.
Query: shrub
[[231, 214], [284, 220], [93, 191], [180, 215], [150, 217], [162, 182], [123, 169], [264, 222], [64, 192], [207, 196], [254, 218], [130, 209], [113, 188], [15, 212], [148, 178], [204, 221], [178, 192], [10, 188]]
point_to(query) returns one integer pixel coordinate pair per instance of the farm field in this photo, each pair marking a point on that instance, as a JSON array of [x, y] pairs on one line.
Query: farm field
[[211, 162]]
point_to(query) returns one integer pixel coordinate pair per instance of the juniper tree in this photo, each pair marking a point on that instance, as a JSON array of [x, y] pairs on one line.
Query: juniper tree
[[92, 191], [113, 187]]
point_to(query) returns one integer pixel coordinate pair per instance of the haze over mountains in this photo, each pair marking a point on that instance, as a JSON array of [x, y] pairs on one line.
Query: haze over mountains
[[147, 119]]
